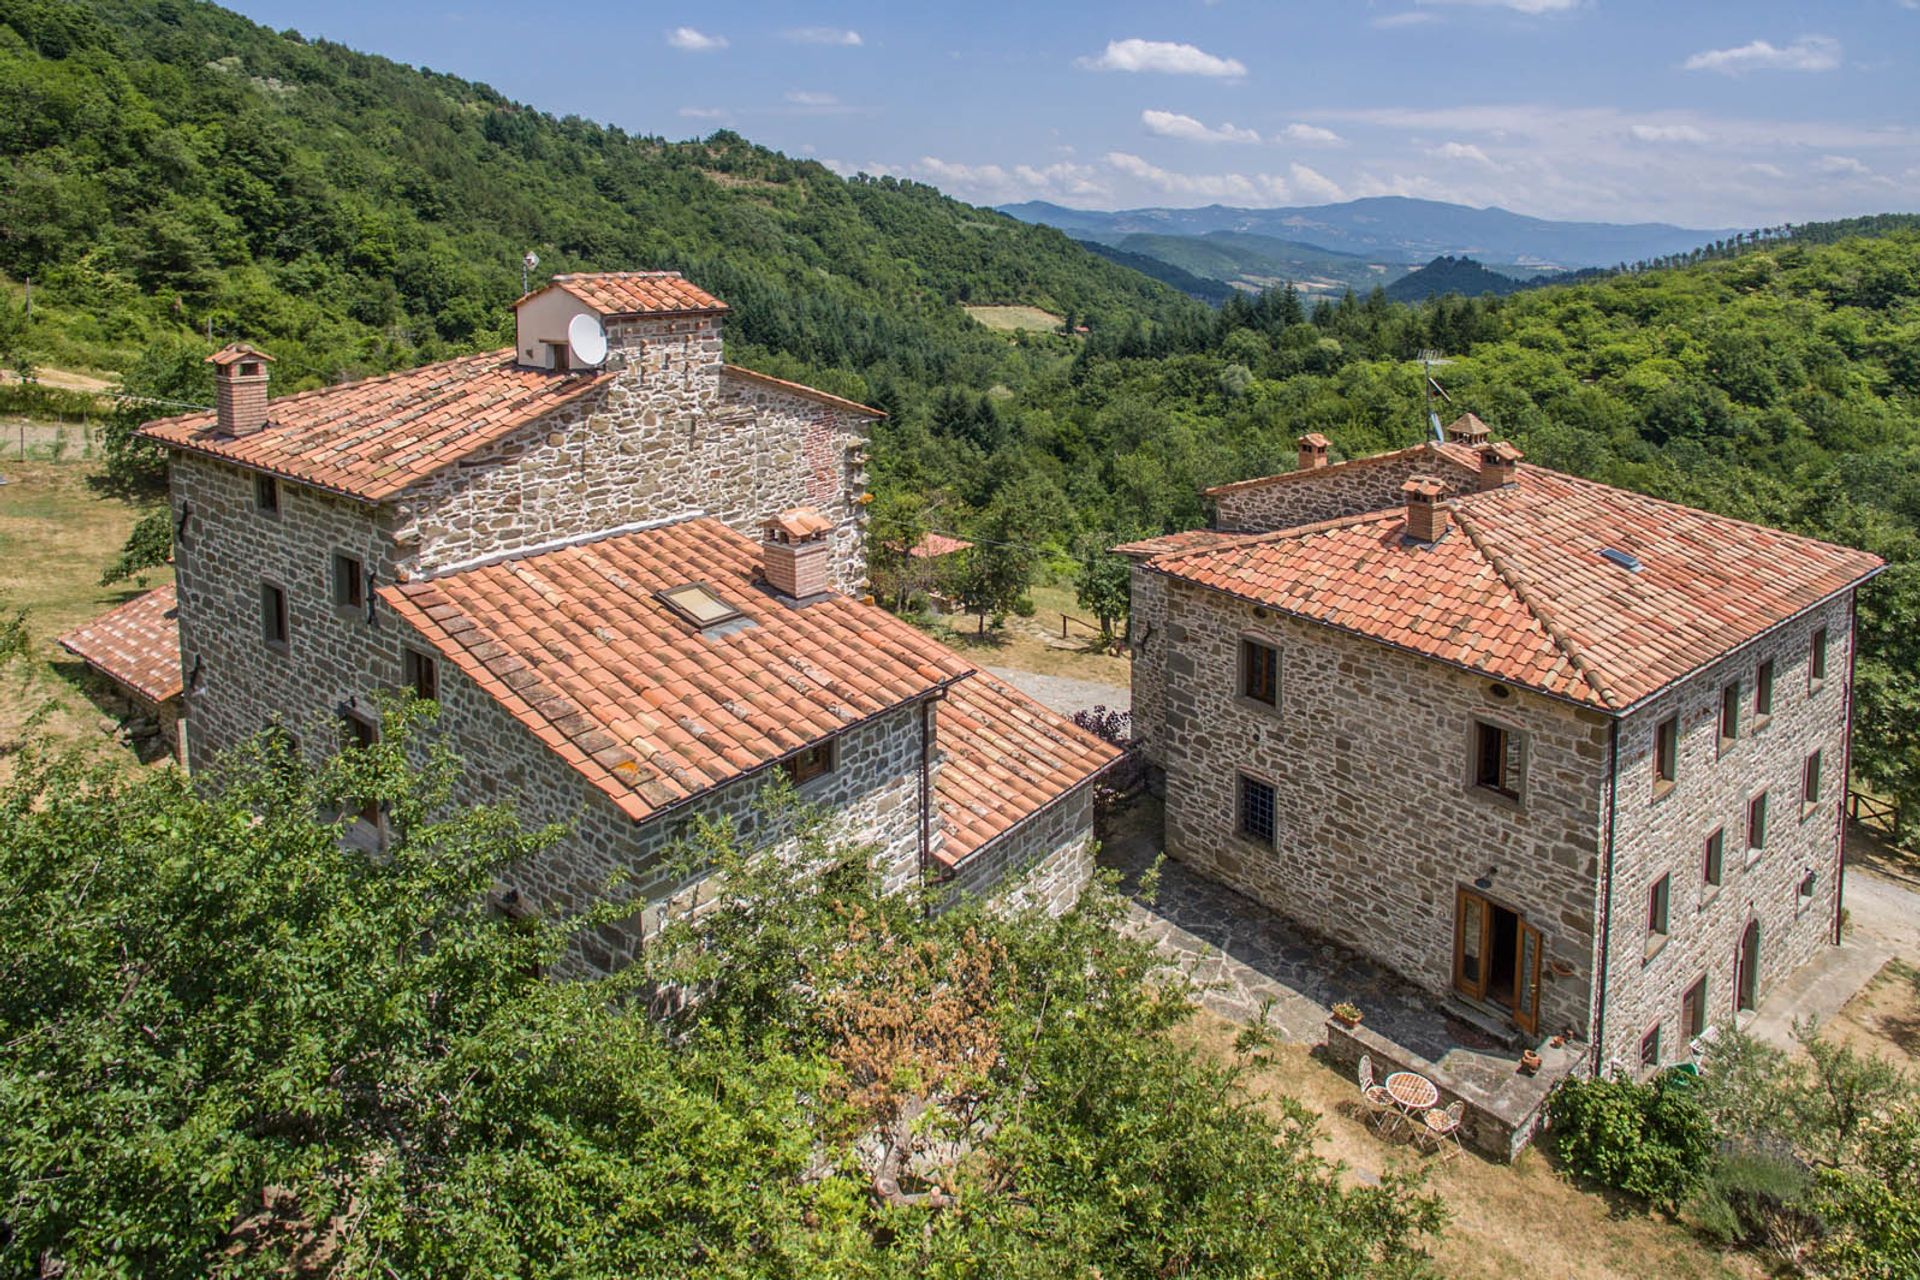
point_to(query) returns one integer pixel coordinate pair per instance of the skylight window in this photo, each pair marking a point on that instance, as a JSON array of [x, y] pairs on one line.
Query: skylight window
[[697, 603], [1625, 559]]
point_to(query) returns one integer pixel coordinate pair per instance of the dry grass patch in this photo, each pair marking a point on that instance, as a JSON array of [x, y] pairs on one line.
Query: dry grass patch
[[56, 535], [1009, 319], [1522, 1220], [1883, 1018]]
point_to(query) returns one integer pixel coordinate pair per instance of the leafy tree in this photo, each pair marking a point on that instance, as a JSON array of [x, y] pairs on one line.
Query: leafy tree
[[1103, 585], [236, 1046], [998, 568]]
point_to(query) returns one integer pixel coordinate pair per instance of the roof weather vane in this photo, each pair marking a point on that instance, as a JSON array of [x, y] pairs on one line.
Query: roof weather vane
[[1428, 359], [527, 264]]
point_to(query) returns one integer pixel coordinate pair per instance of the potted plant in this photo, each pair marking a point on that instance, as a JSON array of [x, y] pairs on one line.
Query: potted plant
[[1347, 1013], [1529, 1061]]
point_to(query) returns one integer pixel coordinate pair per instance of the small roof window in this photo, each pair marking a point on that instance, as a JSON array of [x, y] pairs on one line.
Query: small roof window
[[697, 603], [1625, 559]]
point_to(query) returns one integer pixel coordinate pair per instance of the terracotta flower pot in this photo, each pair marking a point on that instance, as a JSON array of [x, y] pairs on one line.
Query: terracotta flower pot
[[1529, 1061]]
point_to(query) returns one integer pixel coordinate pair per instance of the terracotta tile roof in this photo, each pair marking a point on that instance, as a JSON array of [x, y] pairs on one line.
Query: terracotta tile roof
[[799, 523], [575, 645], [1187, 540], [1463, 456], [934, 545], [136, 644], [234, 352], [1006, 758], [371, 439], [800, 389], [1518, 590], [634, 293]]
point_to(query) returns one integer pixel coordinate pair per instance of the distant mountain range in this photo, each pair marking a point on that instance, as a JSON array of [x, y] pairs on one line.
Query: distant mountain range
[[1390, 230]]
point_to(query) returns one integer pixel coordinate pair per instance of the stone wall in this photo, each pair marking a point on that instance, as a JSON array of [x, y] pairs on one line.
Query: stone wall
[[1665, 835], [226, 548], [673, 434], [1044, 863], [1343, 489], [873, 791], [1378, 826], [1147, 643]]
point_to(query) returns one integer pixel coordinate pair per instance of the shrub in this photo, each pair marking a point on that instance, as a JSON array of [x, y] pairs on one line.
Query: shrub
[[1650, 1140], [1758, 1197]]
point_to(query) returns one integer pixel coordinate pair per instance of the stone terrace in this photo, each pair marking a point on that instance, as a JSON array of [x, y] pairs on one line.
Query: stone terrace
[[1244, 956]]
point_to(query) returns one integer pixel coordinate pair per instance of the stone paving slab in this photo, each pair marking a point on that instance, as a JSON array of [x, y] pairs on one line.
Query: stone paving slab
[[1064, 693]]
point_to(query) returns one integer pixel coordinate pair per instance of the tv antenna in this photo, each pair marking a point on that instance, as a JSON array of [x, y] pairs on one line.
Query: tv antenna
[[527, 266], [1428, 361]]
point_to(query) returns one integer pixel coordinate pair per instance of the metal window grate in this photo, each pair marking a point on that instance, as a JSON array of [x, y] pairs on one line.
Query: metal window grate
[[1257, 810]]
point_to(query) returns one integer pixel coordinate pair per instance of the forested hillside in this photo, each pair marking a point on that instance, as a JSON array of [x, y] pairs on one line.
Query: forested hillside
[[1781, 386], [169, 166]]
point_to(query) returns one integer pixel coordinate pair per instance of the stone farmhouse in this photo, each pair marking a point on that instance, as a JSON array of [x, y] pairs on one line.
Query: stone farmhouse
[[1569, 758], [627, 571]]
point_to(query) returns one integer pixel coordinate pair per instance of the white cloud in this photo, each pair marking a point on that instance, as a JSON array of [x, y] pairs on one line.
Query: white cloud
[[1464, 151], [825, 35], [1312, 135], [1314, 186], [1667, 133], [809, 98], [1518, 6], [1410, 18], [1241, 187], [1161, 55], [692, 41], [1171, 124], [1845, 166], [1765, 170], [993, 182], [1808, 53], [704, 113]]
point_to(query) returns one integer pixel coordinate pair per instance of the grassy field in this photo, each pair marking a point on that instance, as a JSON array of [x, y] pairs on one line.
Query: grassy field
[[1522, 1220], [1034, 644], [56, 534], [1012, 318]]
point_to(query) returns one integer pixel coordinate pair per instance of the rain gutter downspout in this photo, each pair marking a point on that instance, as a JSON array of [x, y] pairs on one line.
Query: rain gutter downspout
[[1846, 770], [1606, 908]]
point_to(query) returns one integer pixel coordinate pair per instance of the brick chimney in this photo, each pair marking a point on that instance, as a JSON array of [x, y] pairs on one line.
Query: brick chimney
[[1313, 451], [1427, 515], [240, 388], [1468, 430], [1498, 465], [796, 555]]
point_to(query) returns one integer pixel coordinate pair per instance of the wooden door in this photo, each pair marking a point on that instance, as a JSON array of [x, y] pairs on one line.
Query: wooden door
[[1526, 980], [1746, 968], [1472, 922]]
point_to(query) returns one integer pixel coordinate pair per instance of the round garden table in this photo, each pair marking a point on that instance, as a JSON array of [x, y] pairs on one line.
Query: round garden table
[[1412, 1092]]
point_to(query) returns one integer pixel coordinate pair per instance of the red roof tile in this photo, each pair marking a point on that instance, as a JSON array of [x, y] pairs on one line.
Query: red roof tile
[[234, 352], [373, 438], [634, 293], [934, 545], [1518, 589], [1006, 758], [799, 523], [575, 645], [1187, 540], [136, 644], [1463, 456]]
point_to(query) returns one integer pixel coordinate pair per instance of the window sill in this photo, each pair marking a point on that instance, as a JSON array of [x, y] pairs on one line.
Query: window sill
[[1753, 856], [1504, 799], [1656, 943], [1724, 745], [1254, 704], [278, 647], [1759, 722], [1662, 788], [1708, 897], [1810, 807]]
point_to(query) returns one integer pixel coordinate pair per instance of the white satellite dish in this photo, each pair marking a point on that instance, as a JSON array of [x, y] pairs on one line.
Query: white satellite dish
[[587, 339]]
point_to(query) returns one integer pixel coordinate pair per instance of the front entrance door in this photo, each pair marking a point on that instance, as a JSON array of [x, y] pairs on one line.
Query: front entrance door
[[1496, 958], [1746, 969]]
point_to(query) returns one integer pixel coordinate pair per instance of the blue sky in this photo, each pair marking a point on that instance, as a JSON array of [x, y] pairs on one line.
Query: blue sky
[[1706, 114]]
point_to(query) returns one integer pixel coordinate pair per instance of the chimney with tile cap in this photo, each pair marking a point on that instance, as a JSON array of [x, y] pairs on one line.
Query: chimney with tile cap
[[1468, 430], [796, 552], [1498, 464], [1427, 515], [1313, 451], [240, 388]]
